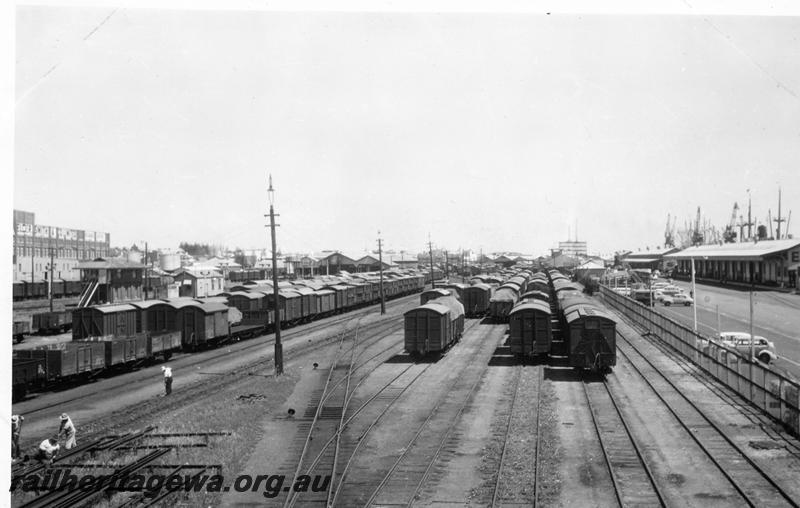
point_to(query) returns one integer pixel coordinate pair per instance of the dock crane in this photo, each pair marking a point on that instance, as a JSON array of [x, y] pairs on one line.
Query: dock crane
[[729, 235], [669, 233], [697, 234]]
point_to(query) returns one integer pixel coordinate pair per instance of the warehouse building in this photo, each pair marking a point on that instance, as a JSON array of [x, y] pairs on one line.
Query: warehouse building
[[36, 246], [768, 262]]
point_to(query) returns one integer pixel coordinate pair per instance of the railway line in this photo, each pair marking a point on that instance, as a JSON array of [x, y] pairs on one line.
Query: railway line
[[750, 480], [632, 477]]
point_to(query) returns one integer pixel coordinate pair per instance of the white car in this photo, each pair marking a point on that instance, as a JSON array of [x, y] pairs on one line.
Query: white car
[[763, 349], [682, 299]]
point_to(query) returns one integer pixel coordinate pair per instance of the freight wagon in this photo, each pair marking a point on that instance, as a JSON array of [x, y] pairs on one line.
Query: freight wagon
[[590, 333], [19, 329], [530, 328], [434, 326], [476, 299], [501, 303], [52, 322]]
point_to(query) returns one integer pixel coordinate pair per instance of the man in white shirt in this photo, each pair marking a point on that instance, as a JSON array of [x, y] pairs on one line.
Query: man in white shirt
[[48, 451], [167, 379]]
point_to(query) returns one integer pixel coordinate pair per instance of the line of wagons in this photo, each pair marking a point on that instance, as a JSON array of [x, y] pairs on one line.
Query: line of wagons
[[547, 315], [121, 336]]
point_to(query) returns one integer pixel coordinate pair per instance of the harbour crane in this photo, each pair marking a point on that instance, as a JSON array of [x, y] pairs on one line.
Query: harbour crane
[[729, 236], [697, 234], [669, 233]]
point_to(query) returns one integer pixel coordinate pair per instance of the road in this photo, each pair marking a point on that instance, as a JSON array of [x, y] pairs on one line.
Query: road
[[776, 316]]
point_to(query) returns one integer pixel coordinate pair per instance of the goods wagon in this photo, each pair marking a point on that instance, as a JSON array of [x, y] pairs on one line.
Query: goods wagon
[[432, 328], [67, 359], [157, 318], [432, 294], [476, 299], [118, 320], [201, 324], [308, 302], [326, 301], [120, 351], [456, 289], [590, 333], [501, 303], [530, 329], [52, 322], [26, 374], [19, 329]]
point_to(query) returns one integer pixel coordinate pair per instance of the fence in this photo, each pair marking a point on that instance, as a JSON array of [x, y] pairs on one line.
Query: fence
[[776, 395]]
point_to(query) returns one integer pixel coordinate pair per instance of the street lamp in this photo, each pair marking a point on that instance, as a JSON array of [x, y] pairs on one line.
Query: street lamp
[[278, 346], [694, 296]]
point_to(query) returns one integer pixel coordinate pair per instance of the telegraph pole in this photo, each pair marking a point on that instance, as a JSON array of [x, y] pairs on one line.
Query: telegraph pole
[[430, 250], [278, 345], [50, 282], [380, 263], [146, 271], [446, 267]]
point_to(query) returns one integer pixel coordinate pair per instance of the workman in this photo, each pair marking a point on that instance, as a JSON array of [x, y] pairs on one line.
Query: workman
[[167, 379], [48, 451], [16, 428], [68, 429]]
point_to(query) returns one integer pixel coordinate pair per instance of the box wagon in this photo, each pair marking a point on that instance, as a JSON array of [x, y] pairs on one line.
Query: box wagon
[[200, 323], [26, 374], [308, 302], [432, 294], [530, 329], [591, 336], [118, 320], [501, 303], [434, 326], [326, 301], [476, 299]]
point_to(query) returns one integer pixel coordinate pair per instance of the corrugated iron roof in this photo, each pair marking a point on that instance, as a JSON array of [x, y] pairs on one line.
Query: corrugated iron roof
[[744, 250]]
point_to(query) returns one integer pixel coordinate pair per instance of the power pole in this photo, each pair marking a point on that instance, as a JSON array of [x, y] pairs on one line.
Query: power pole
[[146, 271], [430, 250], [278, 345], [446, 267], [50, 282], [779, 219], [380, 263]]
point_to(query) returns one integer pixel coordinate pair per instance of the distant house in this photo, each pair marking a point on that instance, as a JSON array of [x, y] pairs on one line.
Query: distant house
[[198, 282]]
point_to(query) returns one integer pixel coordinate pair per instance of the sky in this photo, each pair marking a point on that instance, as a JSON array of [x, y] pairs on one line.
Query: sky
[[493, 131]]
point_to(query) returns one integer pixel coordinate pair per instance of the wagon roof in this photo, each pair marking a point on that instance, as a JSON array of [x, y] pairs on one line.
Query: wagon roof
[[247, 294], [535, 294], [436, 291], [531, 305], [303, 290], [438, 308], [504, 293], [114, 307], [582, 311], [481, 287], [146, 304]]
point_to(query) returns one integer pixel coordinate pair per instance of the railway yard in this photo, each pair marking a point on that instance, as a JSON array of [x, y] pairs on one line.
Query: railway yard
[[366, 422]]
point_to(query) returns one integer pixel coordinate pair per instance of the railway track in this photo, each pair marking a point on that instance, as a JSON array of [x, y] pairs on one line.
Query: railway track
[[516, 444], [633, 481], [330, 420], [755, 485], [729, 397], [405, 478]]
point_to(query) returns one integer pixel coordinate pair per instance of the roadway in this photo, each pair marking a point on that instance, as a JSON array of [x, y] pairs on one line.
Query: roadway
[[776, 316]]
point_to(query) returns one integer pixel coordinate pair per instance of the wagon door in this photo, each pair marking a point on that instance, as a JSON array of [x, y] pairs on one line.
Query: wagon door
[[189, 331], [84, 359]]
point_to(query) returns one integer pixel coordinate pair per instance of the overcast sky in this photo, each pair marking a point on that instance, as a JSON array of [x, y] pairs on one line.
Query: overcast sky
[[487, 130]]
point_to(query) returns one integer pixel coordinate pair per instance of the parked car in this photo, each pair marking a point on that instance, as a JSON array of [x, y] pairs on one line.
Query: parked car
[[763, 349], [665, 299], [682, 299]]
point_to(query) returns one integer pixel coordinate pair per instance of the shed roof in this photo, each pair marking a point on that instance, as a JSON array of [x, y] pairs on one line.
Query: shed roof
[[115, 264], [742, 251]]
